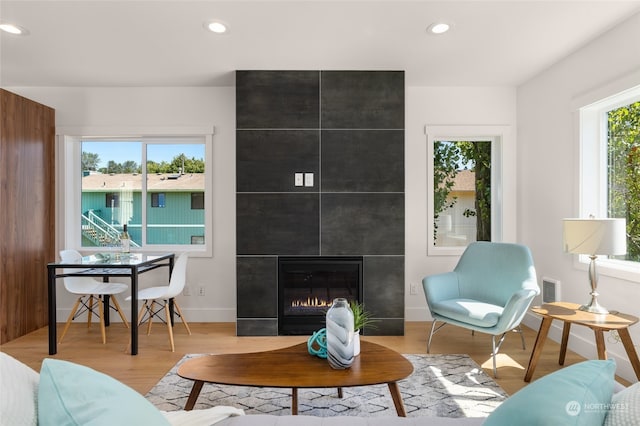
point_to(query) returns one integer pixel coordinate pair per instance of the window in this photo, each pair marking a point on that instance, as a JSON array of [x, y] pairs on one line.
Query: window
[[610, 168], [157, 199], [111, 200], [143, 182], [197, 200], [461, 192], [466, 198]]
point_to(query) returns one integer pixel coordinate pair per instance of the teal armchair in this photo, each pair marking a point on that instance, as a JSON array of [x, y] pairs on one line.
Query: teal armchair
[[489, 291]]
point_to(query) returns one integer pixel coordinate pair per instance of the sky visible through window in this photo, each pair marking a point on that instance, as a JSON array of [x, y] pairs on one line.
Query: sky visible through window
[[122, 151]]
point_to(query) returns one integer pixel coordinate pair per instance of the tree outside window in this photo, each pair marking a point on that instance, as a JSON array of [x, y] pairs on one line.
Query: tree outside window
[[623, 172], [461, 192]]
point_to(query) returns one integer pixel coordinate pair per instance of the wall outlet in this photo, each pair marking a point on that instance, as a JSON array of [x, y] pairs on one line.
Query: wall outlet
[[201, 291], [186, 291], [413, 288], [298, 179]]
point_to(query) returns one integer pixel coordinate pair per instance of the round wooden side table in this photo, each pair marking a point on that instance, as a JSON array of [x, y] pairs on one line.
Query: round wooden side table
[[569, 313]]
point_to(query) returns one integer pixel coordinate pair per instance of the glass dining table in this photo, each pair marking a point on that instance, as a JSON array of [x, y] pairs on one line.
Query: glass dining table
[[105, 265]]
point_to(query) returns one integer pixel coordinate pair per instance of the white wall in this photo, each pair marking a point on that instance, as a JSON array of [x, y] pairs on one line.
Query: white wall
[[435, 106], [548, 169], [112, 108], [168, 107]]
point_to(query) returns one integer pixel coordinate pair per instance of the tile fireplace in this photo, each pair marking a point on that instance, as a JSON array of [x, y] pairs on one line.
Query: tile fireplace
[[307, 287], [345, 131]]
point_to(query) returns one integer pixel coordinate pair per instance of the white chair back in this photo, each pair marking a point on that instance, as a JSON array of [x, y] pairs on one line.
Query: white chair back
[[77, 285], [178, 277]]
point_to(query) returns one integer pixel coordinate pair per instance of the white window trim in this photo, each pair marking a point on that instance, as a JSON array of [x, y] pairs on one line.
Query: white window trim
[[69, 185], [591, 131], [503, 180]]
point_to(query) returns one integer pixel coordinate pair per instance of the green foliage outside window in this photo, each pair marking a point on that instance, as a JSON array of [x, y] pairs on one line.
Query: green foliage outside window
[[623, 170], [449, 159]]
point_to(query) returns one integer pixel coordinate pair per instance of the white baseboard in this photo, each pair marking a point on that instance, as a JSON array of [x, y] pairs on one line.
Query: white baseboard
[[417, 314], [192, 315]]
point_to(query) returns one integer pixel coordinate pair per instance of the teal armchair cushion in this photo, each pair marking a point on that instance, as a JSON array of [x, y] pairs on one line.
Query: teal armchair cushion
[[469, 310], [490, 289]]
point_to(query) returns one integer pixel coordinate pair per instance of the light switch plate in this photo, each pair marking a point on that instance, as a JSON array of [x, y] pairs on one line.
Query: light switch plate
[[308, 179], [298, 179]]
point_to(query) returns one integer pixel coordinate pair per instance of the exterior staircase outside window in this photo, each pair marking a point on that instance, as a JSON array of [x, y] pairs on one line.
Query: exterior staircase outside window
[[99, 232]]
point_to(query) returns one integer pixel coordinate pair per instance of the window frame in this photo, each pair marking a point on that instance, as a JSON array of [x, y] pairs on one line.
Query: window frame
[[591, 124], [160, 200], [195, 196], [70, 181], [503, 195], [111, 196]]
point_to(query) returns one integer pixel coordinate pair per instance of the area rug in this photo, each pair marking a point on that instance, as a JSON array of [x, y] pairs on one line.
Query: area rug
[[440, 385]]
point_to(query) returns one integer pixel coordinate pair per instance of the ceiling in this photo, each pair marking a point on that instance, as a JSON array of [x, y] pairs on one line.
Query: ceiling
[[164, 43]]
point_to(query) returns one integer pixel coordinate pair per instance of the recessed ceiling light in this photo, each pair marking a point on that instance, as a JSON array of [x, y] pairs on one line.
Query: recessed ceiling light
[[216, 27], [438, 28], [13, 29]]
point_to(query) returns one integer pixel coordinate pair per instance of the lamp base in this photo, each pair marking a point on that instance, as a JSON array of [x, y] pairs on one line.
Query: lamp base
[[594, 307]]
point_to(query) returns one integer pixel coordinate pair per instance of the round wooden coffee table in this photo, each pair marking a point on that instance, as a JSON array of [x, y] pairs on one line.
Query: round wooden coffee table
[[294, 368]]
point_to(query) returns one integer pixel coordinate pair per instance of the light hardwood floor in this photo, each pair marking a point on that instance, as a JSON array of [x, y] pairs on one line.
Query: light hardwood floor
[[143, 371]]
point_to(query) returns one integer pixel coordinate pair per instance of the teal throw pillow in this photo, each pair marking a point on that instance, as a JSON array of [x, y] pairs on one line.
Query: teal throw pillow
[[71, 394], [576, 395]]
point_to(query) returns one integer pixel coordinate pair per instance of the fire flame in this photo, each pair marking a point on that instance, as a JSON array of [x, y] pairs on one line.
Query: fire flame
[[310, 302]]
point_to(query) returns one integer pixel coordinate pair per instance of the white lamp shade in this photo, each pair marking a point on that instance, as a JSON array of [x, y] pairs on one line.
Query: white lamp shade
[[595, 236]]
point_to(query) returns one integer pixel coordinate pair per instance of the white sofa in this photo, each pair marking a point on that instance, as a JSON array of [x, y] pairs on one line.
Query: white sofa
[[69, 394]]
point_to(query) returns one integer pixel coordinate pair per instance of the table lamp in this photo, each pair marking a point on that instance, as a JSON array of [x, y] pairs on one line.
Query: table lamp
[[593, 237]]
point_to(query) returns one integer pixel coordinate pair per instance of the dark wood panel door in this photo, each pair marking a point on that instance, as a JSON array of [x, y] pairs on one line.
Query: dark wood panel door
[[27, 206]]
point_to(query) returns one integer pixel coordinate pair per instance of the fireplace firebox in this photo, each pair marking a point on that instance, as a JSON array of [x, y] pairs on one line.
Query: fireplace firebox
[[307, 287]]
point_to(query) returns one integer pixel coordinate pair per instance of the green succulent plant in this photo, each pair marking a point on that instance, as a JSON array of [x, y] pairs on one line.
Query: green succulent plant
[[361, 317]]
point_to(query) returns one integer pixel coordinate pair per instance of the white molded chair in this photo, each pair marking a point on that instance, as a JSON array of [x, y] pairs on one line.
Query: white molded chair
[[152, 296], [91, 294], [489, 291]]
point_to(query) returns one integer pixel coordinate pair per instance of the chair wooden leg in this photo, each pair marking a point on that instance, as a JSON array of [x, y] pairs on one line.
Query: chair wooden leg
[[90, 311], [140, 314], [71, 315], [169, 327], [184, 321], [117, 305], [149, 305], [103, 329]]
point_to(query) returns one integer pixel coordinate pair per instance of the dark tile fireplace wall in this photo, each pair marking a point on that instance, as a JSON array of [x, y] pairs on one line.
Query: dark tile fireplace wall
[[347, 128]]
